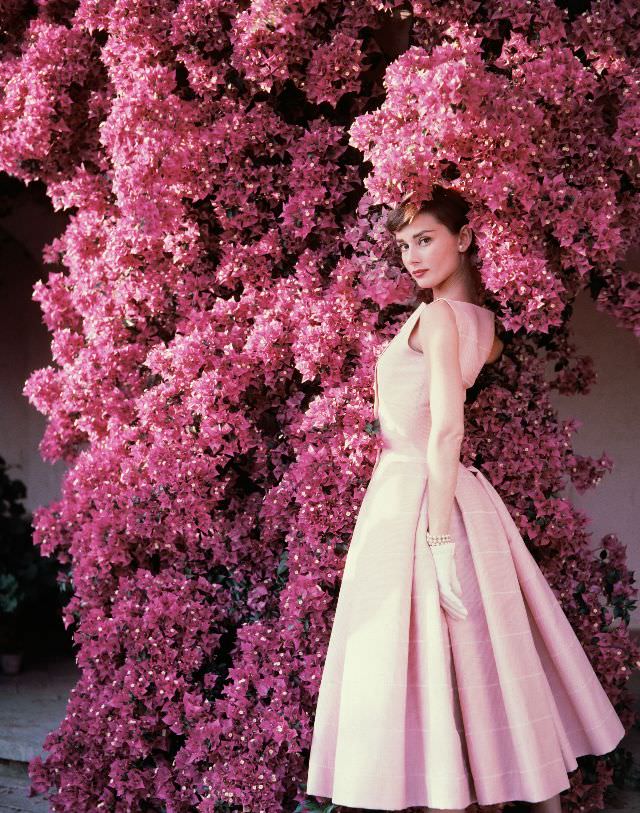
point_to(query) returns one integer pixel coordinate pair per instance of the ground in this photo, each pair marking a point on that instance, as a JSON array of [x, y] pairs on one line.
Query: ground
[[33, 703]]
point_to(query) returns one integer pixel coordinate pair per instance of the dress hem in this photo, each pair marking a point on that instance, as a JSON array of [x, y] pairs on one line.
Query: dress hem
[[460, 805]]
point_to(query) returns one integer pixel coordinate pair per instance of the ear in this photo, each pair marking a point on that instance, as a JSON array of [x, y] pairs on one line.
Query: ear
[[464, 238]]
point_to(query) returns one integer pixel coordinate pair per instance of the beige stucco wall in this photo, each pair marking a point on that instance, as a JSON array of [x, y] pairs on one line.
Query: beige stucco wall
[[24, 343], [610, 416]]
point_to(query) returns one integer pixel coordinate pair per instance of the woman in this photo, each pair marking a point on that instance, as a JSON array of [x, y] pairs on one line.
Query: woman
[[452, 675]]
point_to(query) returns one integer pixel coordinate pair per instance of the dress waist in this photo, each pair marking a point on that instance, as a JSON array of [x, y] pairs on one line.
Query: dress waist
[[417, 456], [399, 454]]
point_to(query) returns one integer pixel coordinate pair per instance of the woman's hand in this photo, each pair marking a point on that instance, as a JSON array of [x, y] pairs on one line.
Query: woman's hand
[[448, 583]]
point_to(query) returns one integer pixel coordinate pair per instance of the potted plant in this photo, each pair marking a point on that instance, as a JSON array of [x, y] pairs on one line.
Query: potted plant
[[11, 598], [27, 579]]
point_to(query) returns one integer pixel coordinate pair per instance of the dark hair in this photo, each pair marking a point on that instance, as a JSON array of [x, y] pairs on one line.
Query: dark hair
[[448, 206]]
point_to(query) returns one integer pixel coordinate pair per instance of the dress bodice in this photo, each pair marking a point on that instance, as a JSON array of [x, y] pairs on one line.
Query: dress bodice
[[401, 379]]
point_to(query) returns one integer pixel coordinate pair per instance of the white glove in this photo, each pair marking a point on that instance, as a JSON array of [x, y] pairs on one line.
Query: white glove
[[448, 583]]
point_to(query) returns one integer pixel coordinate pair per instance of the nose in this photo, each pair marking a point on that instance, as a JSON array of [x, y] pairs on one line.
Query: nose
[[410, 254]]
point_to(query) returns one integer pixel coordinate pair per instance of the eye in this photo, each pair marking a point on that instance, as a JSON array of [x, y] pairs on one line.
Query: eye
[[402, 246]]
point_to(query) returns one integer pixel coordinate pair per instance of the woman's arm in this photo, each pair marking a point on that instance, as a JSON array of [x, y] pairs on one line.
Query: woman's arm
[[496, 350], [439, 340]]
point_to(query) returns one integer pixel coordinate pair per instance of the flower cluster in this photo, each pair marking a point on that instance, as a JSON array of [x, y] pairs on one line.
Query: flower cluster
[[226, 286], [527, 136]]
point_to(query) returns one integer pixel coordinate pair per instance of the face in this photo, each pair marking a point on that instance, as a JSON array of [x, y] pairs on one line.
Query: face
[[429, 251]]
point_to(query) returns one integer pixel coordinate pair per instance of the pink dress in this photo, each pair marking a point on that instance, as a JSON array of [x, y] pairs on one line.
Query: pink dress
[[417, 708]]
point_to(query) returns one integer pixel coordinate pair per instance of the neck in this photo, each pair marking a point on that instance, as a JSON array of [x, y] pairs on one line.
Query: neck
[[463, 285]]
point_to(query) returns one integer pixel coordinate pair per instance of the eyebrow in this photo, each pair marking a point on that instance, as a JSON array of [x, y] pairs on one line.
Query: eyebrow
[[415, 235]]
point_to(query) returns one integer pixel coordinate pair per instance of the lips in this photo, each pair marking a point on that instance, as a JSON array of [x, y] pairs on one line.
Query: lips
[[420, 271]]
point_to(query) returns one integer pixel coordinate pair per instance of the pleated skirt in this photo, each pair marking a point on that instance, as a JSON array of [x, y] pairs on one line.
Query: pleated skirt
[[416, 708]]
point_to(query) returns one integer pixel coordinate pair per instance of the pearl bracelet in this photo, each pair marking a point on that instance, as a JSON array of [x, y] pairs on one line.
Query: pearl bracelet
[[438, 539]]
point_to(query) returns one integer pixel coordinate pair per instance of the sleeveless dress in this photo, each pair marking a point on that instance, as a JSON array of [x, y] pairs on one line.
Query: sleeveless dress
[[415, 707]]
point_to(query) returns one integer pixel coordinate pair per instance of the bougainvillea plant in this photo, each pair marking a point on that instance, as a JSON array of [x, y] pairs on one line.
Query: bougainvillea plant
[[226, 286]]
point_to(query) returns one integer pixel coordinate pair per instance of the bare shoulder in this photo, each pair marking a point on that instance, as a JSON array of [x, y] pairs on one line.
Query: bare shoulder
[[440, 318], [436, 326]]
